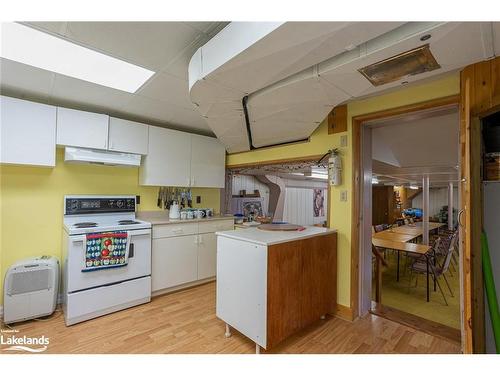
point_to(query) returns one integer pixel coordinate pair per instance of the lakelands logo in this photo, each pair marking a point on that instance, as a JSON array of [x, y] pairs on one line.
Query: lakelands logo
[[23, 343]]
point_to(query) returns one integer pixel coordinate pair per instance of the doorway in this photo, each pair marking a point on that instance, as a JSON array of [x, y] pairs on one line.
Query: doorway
[[409, 173]]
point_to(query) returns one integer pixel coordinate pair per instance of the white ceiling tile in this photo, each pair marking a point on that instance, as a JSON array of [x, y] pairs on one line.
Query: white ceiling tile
[[188, 118], [149, 44], [147, 107], [24, 80], [166, 87], [53, 27], [84, 94]]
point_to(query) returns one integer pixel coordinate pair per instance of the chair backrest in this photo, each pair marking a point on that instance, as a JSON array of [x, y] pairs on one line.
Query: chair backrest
[[451, 249]]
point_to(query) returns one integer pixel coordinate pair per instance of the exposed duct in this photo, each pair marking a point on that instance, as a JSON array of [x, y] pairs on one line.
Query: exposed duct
[[277, 111]]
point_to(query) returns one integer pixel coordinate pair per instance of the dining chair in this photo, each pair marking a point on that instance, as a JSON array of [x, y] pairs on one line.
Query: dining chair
[[436, 270]]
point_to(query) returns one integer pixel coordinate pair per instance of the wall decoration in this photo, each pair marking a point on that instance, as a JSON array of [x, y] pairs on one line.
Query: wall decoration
[[319, 202]]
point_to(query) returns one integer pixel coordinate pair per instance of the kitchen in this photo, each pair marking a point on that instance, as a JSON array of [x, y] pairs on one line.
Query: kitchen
[[138, 204]]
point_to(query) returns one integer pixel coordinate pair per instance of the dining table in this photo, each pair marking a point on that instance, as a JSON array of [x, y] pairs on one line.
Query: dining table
[[401, 239]]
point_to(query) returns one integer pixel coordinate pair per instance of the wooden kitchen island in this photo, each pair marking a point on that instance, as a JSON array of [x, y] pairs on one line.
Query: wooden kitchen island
[[272, 284]]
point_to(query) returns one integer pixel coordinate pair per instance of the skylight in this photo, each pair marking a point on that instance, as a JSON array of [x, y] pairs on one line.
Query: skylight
[[32, 47]]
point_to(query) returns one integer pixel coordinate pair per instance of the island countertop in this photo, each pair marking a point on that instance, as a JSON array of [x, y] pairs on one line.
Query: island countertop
[[266, 238]]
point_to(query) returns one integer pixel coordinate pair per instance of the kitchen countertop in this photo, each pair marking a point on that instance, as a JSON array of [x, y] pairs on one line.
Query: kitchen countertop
[[161, 217], [266, 238]]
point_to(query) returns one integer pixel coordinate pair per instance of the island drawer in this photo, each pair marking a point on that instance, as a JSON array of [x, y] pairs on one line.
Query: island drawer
[[216, 226]]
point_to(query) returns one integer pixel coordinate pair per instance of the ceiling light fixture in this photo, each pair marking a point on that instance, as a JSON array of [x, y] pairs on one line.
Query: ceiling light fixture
[[425, 37], [32, 47], [413, 187]]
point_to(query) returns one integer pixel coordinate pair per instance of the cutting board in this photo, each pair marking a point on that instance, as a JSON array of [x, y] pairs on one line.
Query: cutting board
[[281, 227]]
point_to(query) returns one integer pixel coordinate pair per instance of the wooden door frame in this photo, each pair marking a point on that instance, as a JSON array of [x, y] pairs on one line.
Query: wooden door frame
[[357, 124]]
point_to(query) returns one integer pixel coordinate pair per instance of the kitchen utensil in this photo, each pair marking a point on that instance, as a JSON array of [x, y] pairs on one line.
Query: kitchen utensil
[[174, 212], [200, 214], [209, 212], [183, 214], [190, 214]]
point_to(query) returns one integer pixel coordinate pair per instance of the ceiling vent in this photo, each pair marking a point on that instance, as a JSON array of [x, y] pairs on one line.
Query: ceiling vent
[[409, 63]]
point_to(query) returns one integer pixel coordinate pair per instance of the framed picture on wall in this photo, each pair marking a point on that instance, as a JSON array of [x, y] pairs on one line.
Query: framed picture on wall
[[318, 202]]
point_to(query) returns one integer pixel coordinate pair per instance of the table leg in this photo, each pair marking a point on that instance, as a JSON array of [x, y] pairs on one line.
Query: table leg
[[434, 278], [427, 263], [397, 272]]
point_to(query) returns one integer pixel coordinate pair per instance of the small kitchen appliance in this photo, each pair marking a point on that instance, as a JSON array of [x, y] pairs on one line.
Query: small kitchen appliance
[[106, 256], [174, 211], [30, 290]]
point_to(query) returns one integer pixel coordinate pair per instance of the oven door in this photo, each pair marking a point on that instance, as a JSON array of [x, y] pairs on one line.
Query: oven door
[[139, 263]]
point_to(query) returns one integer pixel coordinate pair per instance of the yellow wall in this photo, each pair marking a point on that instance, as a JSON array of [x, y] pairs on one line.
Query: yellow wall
[[31, 201], [320, 142]]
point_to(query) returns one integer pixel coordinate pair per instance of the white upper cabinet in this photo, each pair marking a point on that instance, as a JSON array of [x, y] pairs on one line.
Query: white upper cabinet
[[82, 129], [128, 136], [181, 159], [208, 157], [27, 133], [168, 162]]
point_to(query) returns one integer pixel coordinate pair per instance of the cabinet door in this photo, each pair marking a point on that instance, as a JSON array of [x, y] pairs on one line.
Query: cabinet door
[[208, 159], [174, 261], [207, 255], [128, 136], [27, 132], [82, 129], [168, 160]]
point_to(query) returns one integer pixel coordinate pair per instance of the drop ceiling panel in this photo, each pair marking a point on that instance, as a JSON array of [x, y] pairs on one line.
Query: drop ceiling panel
[[169, 88], [231, 131], [188, 119], [86, 95], [148, 44], [165, 47], [28, 81]]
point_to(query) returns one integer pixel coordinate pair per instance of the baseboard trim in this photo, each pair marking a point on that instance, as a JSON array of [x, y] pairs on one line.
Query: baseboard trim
[[178, 288], [343, 312], [416, 322]]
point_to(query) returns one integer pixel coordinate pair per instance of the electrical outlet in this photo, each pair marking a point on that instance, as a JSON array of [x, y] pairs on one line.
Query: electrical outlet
[[343, 196], [343, 141], [198, 199]]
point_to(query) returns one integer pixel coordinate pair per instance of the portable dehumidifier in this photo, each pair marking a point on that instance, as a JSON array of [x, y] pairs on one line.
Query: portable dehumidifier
[[30, 289]]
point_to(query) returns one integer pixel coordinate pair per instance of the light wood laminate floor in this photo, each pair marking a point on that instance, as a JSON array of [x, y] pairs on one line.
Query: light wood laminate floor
[[185, 322]]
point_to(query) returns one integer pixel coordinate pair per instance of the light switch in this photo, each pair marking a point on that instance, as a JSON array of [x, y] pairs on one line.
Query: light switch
[[343, 141], [343, 196]]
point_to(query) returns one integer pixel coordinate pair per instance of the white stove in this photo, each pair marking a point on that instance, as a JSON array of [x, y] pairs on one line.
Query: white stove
[[111, 286]]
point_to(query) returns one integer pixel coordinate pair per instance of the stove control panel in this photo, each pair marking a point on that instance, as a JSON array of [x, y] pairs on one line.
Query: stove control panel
[[77, 205]]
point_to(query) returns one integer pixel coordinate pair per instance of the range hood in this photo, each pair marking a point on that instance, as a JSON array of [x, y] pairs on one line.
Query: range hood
[[86, 155]]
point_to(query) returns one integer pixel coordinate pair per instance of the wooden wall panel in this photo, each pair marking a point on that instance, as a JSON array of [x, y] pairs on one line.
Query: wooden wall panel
[[495, 82], [284, 269], [302, 285], [337, 120]]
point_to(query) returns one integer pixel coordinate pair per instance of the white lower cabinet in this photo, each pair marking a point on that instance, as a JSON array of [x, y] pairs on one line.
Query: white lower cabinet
[[174, 261], [185, 253], [207, 255]]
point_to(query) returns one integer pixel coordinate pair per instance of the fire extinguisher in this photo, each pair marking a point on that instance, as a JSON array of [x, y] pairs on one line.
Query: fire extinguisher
[[335, 168]]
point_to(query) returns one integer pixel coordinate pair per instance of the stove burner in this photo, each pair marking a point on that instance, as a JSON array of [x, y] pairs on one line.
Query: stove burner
[[128, 222], [86, 224]]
